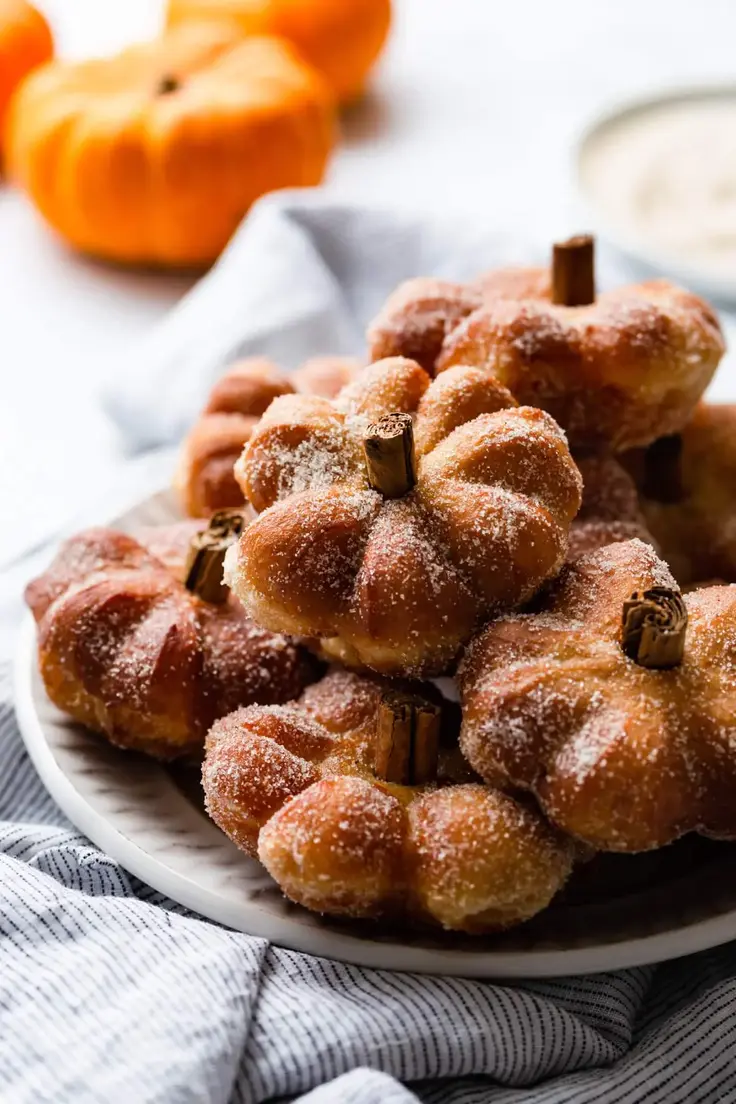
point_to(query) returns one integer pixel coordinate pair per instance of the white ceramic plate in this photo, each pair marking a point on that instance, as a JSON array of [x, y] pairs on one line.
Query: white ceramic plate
[[624, 911], [595, 217]]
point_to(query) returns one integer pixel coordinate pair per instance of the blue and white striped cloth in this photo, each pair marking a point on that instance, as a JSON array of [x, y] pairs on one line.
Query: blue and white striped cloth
[[111, 994]]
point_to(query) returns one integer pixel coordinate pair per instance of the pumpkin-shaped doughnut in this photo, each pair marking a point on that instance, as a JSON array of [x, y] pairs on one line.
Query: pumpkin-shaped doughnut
[[340, 38], [394, 519], [617, 370], [615, 704], [205, 481], [303, 787], [154, 156], [135, 654], [422, 312], [686, 485], [611, 511], [25, 42]]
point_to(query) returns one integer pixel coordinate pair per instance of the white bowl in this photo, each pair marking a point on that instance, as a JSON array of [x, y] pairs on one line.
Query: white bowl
[[592, 210]]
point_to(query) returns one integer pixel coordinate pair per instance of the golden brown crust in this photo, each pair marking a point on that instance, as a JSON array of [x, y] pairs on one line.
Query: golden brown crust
[[397, 585], [295, 786], [85, 554], [421, 313], [618, 373], [325, 375], [169, 544], [125, 649], [205, 481], [609, 492], [417, 317], [687, 495], [590, 536], [620, 756], [610, 512], [514, 282], [247, 388]]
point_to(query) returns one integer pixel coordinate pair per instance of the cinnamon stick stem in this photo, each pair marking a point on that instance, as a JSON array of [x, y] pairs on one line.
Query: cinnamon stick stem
[[389, 455], [654, 625], [167, 84], [573, 271], [206, 559], [407, 739]]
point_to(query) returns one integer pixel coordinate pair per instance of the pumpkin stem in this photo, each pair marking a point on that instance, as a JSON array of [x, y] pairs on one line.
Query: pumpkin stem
[[168, 83], [654, 625], [389, 455], [407, 739], [573, 272], [203, 572]]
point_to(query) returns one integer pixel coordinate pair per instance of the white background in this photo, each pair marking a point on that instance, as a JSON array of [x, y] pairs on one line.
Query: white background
[[476, 107]]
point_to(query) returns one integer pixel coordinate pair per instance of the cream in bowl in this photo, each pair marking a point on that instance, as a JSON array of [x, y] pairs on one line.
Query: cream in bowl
[[661, 177]]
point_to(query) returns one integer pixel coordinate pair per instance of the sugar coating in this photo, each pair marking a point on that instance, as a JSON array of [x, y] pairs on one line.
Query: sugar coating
[[127, 650], [622, 757], [398, 585], [611, 511], [417, 317], [480, 857], [617, 373], [317, 461], [205, 480], [295, 785]]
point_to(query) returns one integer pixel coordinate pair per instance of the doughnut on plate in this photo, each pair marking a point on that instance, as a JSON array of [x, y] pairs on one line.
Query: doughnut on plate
[[618, 911]]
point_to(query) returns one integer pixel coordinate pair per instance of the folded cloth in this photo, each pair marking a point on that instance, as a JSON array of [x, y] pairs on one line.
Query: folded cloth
[[301, 277], [110, 992]]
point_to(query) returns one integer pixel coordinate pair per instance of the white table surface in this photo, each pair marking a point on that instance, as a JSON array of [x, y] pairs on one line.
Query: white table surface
[[475, 108]]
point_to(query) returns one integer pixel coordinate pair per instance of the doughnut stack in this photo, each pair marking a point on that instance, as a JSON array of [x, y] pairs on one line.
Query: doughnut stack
[[519, 496]]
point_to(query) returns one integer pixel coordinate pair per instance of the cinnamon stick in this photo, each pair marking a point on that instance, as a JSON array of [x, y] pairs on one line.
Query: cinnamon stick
[[573, 271], [654, 625], [167, 84], [389, 455], [407, 739], [206, 559]]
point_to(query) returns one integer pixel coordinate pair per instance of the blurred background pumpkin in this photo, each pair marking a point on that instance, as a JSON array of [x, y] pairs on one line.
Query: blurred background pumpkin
[[341, 38], [25, 42], [154, 156]]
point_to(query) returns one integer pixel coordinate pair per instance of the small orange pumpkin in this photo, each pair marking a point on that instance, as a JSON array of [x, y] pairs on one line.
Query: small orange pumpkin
[[155, 155], [340, 38], [25, 42]]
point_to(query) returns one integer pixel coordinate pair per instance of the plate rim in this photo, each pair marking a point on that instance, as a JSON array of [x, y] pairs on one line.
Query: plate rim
[[253, 919]]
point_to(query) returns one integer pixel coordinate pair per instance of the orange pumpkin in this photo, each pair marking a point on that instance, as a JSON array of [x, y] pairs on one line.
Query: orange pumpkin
[[25, 42], [154, 156], [341, 38]]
